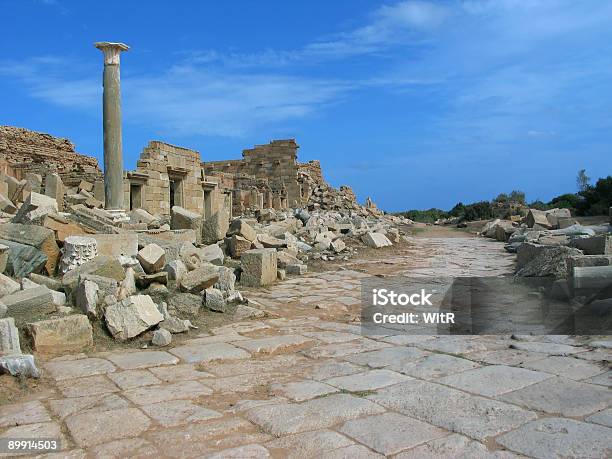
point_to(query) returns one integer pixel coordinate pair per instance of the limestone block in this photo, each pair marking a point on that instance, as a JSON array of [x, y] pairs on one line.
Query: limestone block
[[6, 205], [23, 303], [296, 269], [86, 186], [199, 279], [19, 365], [62, 227], [23, 259], [114, 245], [215, 227], [284, 258], [376, 240], [54, 188], [214, 300], [187, 304], [86, 298], [211, 253], [38, 237], [50, 282], [258, 267], [241, 228], [152, 258], [237, 245], [594, 245], [145, 280], [141, 216], [537, 217], [9, 337], [176, 269], [3, 310], [181, 218], [227, 280], [161, 338], [270, 242], [338, 245], [132, 316], [8, 285], [77, 251], [100, 266], [67, 334], [35, 208]]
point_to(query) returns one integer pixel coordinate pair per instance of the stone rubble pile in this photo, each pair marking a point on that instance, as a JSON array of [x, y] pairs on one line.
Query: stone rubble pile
[[552, 245], [68, 266]]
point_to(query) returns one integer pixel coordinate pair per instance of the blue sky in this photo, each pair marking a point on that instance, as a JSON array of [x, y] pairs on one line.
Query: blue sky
[[417, 104]]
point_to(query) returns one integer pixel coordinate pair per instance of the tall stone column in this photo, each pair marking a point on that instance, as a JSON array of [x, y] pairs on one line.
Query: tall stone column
[[113, 161]]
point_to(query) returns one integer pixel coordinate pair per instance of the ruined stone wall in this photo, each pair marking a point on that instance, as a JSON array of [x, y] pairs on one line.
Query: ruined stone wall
[[162, 170], [29, 151], [313, 170]]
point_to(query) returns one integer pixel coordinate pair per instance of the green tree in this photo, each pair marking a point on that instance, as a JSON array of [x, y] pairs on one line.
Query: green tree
[[582, 181]]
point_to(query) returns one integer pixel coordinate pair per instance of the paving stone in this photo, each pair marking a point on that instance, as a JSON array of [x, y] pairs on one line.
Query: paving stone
[[84, 387], [178, 412], [318, 443], [546, 348], [369, 380], [510, 357], [133, 378], [91, 428], [561, 396], [474, 416], [331, 369], [133, 360], [454, 446], [342, 349], [61, 370], [557, 437], [353, 452], [567, 367], [457, 345], [23, 413], [228, 337], [244, 383], [275, 345], [104, 402], [388, 356], [254, 366], [493, 380], [147, 395], [182, 372], [331, 336], [240, 452], [209, 352], [198, 439], [38, 430], [129, 447], [320, 413], [604, 379], [302, 390], [390, 433], [434, 366], [603, 417]]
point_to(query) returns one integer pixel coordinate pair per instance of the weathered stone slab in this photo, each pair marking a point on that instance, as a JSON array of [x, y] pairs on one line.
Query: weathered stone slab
[[97, 403], [568, 367], [376, 240], [275, 344], [561, 396], [181, 218], [100, 266], [199, 279], [556, 437], [302, 390], [69, 369], [237, 245], [115, 245], [161, 338], [35, 207], [258, 267], [23, 413], [241, 228], [471, 415], [23, 303], [133, 360], [215, 227], [388, 356], [434, 366], [66, 334], [603, 417], [286, 419], [132, 316], [454, 446], [147, 395], [369, 380], [8, 285], [178, 412], [319, 443], [152, 258], [390, 433], [209, 352], [130, 379], [35, 236], [494, 380], [9, 337], [23, 259], [86, 387], [90, 429]]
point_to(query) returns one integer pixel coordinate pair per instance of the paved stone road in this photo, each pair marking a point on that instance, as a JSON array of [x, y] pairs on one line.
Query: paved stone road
[[307, 384]]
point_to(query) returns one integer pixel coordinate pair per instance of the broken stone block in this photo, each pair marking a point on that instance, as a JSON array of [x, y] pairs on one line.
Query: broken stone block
[[215, 227], [543, 261], [161, 338], [8, 286], [284, 258], [594, 245], [24, 303], [54, 188], [227, 280], [84, 185], [35, 208], [237, 245], [77, 251], [375, 240], [146, 280], [38, 237], [50, 282], [63, 227], [176, 269], [185, 304], [132, 316], [152, 258], [3, 310], [141, 216], [214, 300], [553, 216], [267, 215], [338, 245], [258, 267], [241, 228], [6, 205], [270, 242], [537, 217], [57, 336], [19, 365], [212, 254], [9, 337], [281, 274], [181, 218], [86, 298], [199, 279], [102, 266], [115, 245], [176, 325], [296, 269]]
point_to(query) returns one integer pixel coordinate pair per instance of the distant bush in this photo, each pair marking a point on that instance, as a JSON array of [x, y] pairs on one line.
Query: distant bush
[[595, 200], [424, 216]]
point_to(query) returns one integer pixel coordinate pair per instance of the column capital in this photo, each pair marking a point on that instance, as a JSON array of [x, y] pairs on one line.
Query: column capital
[[111, 51]]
